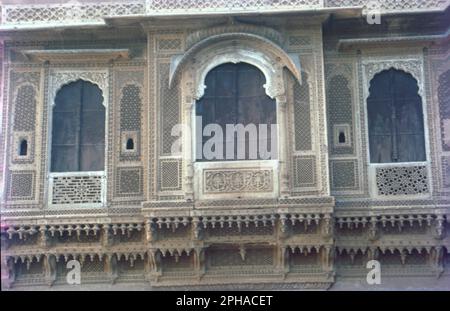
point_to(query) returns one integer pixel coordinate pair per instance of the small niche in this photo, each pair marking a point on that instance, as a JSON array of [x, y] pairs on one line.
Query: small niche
[[23, 147], [341, 135], [342, 138], [130, 144]]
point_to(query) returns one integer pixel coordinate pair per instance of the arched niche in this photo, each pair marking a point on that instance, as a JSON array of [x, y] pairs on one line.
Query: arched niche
[[60, 78], [234, 47]]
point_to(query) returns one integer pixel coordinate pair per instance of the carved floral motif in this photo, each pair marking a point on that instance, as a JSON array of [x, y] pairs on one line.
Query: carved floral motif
[[239, 180]]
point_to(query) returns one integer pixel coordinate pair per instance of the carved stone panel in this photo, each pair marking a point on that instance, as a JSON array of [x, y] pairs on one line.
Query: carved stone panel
[[21, 186]]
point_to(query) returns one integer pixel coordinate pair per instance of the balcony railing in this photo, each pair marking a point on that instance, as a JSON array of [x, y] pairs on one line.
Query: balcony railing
[[76, 13]]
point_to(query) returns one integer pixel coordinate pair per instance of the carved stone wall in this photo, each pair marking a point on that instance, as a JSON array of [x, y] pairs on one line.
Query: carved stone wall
[[306, 116], [24, 110], [346, 157], [130, 141], [167, 174], [439, 80], [302, 114]]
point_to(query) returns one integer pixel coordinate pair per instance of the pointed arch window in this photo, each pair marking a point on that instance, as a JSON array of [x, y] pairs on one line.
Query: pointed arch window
[[78, 129], [395, 118]]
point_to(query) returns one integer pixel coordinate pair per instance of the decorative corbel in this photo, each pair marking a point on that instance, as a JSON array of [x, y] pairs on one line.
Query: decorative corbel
[[189, 193], [352, 255], [403, 255], [327, 226], [44, 239], [107, 238], [373, 253], [50, 269], [438, 228], [284, 228], [150, 231], [197, 228], [373, 229]]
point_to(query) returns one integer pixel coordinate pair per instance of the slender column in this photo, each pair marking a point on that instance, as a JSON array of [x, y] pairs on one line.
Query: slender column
[[282, 146], [187, 147]]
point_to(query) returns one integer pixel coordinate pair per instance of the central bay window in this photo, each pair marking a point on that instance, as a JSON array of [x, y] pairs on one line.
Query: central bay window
[[235, 97]]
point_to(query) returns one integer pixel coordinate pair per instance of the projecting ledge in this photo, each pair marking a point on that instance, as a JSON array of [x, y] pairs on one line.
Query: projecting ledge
[[101, 55]]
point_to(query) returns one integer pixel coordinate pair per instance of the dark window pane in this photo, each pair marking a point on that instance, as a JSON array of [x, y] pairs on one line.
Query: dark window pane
[[91, 159], [78, 129], [235, 95], [92, 130], [65, 128], [396, 129], [64, 158]]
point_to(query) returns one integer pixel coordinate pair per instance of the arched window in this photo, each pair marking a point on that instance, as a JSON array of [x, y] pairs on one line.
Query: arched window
[[235, 95], [78, 129], [395, 116]]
